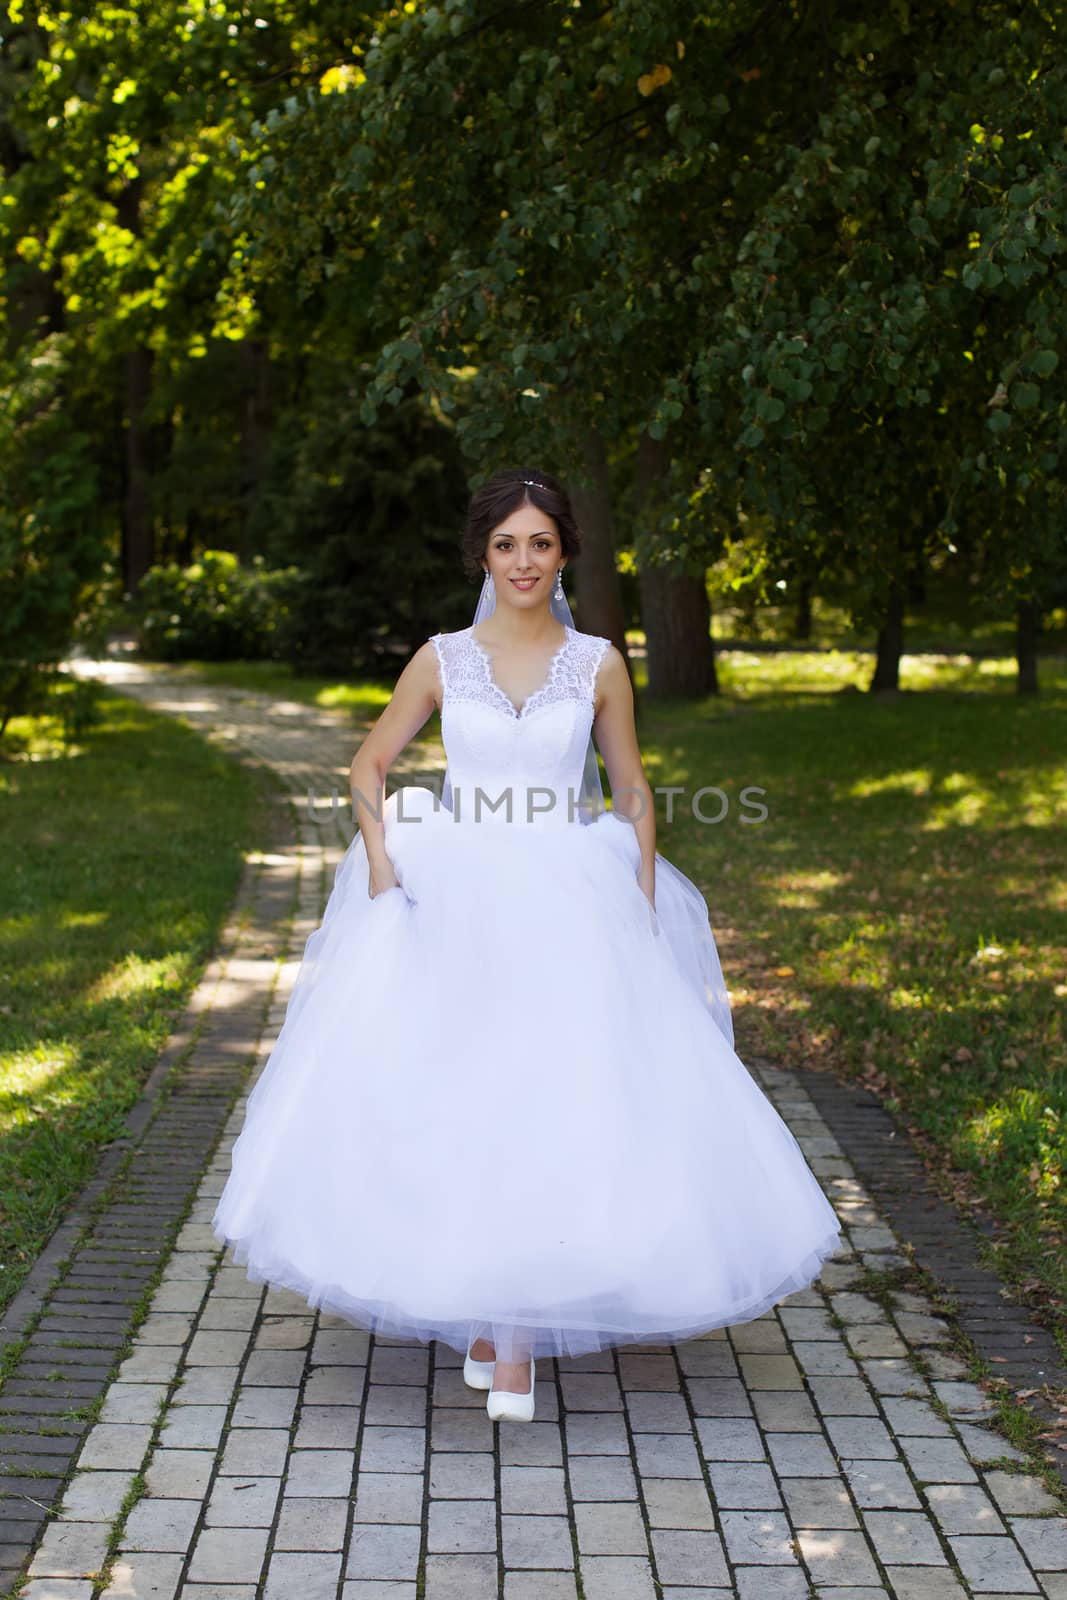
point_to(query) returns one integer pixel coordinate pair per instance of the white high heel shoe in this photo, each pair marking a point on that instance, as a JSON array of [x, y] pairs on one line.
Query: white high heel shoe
[[504, 1405], [479, 1374]]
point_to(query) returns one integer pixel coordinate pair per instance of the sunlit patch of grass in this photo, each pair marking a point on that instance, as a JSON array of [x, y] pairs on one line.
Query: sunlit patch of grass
[[121, 857]]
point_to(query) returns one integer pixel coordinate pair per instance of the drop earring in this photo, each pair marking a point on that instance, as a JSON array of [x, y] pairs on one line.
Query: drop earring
[[557, 593]]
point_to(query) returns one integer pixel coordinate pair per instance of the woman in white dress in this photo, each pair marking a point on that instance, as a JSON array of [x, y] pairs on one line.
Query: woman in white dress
[[504, 1109]]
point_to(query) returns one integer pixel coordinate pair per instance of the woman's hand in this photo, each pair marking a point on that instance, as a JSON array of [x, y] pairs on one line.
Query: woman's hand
[[382, 878], [647, 882]]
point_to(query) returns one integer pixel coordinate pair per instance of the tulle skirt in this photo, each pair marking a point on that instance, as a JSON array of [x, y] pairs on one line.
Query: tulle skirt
[[505, 1104]]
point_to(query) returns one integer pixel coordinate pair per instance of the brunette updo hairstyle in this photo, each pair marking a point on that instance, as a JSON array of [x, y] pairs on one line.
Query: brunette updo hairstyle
[[504, 493]]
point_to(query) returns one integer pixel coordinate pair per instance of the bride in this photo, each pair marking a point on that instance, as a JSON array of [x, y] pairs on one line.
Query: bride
[[504, 1110]]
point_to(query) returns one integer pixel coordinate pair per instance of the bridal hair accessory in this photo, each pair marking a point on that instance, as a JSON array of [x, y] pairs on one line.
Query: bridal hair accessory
[[534, 483]]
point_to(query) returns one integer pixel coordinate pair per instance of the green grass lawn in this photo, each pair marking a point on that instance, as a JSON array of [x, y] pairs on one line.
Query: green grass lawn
[[121, 857]]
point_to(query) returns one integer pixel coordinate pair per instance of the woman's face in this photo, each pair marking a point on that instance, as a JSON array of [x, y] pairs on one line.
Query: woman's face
[[522, 557]]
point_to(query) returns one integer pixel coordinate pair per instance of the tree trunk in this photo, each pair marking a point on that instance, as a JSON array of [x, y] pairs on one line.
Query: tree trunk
[[1027, 632], [675, 611], [254, 358], [802, 615], [138, 543], [138, 534], [598, 591], [890, 646]]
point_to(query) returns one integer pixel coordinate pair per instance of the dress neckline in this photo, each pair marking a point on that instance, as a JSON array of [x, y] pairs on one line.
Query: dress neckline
[[518, 712]]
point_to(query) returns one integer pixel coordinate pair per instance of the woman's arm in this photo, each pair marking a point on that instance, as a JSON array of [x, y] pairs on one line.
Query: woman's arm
[[410, 707], [616, 735]]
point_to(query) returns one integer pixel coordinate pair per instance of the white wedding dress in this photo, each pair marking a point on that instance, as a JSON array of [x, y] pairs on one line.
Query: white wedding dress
[[504, 1101]]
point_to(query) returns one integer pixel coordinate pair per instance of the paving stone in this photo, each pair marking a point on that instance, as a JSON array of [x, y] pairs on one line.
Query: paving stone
[[963, 1508], [383, 1552], [937, 1460], [861, 1437], [161, 1525], [825, 1358], [459, 1475], [180, 1474], [688, 1556], [784, 1412], [255, 1452], [744, 1486], [596, 1434], [914, 1416], [991, 1564], [984, 1444], [461, 1527], [881, 1484], [610, 1530], [764, 1335], [617, 1578], [1044, 1541], [801, 1455], [312, 1576], [757, 1537], [605, 1478], [243, 1502], [1014, 1492], [132, 1402], [925, 1583], [770, 1372], [193, 1427], [540, 1586], [536, 1541], [389, 1496], [657, 1413], [461, 1577], [838, 1558], [326, 1427], [228, 1555], [766, 1583], [677, 1503], [819, 1503], [70, 1550], [391, 1449], [719, 1397], [319, 1472], [95, 1496], [530, 1444], [264, 1408], [58, 1589], [206, 1386], [905, 1537], [532, 1490], [892, 1375], [727, 1439], [115, 1445], [139, 1576], [666, 1455]]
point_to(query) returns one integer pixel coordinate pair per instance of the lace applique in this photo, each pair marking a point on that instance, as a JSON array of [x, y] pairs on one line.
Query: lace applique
[[467, 673]]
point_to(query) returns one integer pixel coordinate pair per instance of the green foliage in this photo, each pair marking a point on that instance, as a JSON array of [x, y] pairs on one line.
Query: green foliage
[[53, 538], [214, 610], [372, 516]]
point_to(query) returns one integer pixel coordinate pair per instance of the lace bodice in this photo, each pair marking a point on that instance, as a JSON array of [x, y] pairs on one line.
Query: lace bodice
[[493, 746]]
